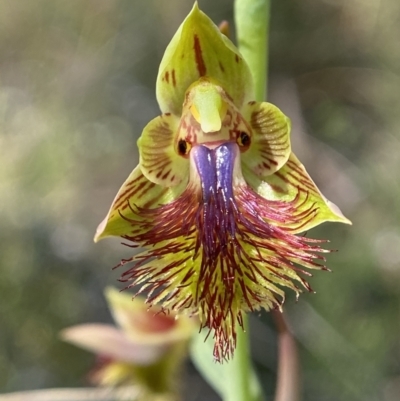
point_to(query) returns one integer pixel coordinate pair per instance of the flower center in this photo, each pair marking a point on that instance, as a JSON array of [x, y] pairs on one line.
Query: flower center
[[216, 169]]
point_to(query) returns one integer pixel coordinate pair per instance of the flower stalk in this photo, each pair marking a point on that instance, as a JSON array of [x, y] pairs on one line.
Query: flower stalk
[[252, 21], [239, 368], [252, 24]]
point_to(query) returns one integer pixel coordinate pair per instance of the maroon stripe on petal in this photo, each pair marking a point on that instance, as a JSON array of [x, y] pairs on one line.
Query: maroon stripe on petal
[[201, 67]]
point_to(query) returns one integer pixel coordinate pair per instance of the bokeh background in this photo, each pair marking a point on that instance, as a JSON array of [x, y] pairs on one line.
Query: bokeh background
[[77, 81]]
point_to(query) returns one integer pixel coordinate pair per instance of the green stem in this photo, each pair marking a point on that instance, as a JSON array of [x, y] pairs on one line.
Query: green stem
[[239, 368], [252, 20], [252, 23]]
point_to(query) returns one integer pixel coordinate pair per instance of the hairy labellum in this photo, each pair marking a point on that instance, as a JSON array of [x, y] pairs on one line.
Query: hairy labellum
[[228, 252]]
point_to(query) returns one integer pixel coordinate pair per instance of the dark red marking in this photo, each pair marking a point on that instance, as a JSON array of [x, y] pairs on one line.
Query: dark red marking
[[121, 203], [152, 201], [277, 188], [221, 66], [237, 58], [127, 194], [167, 77], [283, 178], [173, 78], [295, 181], [133, 182], [298, 170], [201, 67]]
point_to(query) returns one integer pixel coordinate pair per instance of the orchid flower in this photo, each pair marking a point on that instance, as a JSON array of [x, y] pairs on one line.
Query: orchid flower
[[146, 348], [218, 196]]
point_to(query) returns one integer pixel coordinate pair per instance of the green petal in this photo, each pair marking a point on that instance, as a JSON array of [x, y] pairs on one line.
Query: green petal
[[159, 158], [199, 49], [270, 140], [137, 191], [292, 183]]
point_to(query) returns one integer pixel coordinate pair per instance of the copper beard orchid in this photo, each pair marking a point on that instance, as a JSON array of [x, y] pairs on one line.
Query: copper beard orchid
[[218, 196]]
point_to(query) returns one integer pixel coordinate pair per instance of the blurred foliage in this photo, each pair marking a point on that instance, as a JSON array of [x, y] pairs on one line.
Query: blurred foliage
[[77, 82]]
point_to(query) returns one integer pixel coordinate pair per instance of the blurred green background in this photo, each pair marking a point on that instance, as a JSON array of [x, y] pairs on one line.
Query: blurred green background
[[77, 85]]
